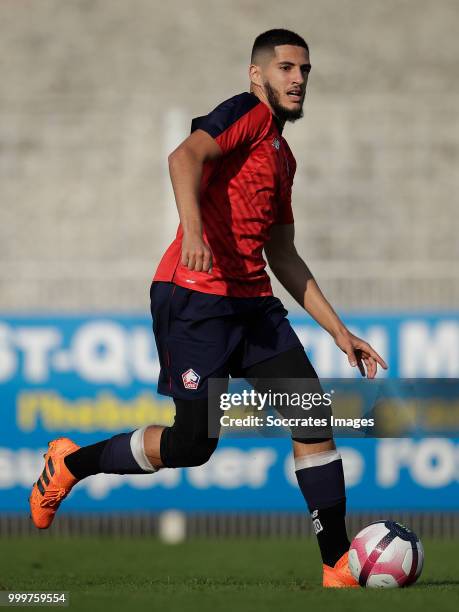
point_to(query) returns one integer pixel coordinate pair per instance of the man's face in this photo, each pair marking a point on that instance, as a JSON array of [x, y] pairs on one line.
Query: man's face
[[284, 77]]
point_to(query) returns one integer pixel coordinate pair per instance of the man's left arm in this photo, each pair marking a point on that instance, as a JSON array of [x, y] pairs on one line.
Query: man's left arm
[[293, 273]]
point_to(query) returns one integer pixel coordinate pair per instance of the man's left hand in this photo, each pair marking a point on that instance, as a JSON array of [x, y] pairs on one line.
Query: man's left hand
[[359, 353]]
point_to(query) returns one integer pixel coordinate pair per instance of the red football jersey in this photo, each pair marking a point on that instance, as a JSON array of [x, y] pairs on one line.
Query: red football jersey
[[243, 193]]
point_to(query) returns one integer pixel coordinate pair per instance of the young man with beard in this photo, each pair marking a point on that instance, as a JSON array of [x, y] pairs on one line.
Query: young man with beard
[[213, 311]]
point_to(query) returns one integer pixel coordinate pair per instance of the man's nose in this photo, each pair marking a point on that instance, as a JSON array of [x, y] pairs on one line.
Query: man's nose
[[298, 77]]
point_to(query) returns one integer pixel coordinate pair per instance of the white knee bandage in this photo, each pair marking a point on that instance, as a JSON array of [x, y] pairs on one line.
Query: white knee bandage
[[138, 450], [316, 459]]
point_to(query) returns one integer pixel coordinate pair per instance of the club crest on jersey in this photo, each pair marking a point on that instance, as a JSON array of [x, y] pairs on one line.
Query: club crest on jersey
[[276, 143], [190, 379]]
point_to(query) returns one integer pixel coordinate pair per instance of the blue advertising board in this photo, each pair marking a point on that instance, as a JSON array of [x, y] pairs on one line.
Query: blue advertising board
[[92, 377]]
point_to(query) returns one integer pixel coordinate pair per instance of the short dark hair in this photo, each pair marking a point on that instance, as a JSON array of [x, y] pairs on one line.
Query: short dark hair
[[272, 38]]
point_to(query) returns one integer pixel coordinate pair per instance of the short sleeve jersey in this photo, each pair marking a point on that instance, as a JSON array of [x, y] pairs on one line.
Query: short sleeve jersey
[[243, 193]]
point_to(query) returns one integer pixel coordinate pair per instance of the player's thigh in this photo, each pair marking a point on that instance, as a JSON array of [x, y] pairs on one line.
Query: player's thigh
[[268, 334], [291, 376], [292, 363], [191, 440], [289, 373], [194, 340]]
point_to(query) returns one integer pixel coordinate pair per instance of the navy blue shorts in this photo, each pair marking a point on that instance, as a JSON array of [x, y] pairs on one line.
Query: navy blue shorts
[[201, 335]]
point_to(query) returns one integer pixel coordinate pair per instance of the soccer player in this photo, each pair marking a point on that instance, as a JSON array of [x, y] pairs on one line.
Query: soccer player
[[213, 311]]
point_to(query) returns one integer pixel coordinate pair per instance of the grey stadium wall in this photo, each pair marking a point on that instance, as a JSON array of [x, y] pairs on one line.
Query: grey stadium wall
[[96, 94]]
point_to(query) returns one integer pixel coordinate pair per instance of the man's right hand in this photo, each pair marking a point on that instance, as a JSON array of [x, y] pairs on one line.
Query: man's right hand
[[196, 255], [185, 167]]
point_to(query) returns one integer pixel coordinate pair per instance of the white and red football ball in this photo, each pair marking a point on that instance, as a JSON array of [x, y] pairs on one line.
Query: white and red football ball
[[386, 555]]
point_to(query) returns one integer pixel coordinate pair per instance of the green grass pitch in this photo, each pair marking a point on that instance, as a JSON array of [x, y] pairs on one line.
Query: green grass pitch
[[208, 575]]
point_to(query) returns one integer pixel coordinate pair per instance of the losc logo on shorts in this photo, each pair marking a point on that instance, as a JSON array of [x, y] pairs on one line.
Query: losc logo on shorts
[[190, 379]]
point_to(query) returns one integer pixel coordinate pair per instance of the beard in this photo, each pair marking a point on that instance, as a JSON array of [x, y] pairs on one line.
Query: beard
[[281, 112]]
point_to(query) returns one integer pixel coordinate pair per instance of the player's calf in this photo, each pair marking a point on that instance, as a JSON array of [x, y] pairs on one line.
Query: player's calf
[[121, 454], [321, 480]]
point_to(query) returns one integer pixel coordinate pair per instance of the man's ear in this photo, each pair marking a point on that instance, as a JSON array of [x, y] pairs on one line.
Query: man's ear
[[255, 75]]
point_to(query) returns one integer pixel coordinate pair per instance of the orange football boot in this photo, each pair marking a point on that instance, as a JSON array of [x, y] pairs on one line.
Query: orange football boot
[[340, 575], [54, 483]]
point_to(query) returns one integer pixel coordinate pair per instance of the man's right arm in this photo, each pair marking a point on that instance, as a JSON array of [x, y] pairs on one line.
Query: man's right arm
[[185, 168]]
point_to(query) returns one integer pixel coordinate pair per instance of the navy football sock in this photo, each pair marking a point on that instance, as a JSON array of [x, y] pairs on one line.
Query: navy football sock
[[112, 456], [321, 480]]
